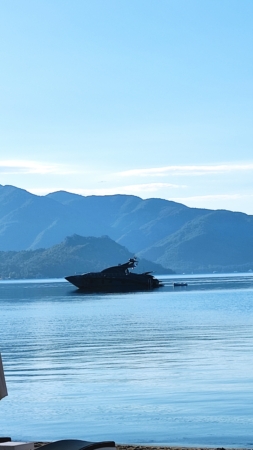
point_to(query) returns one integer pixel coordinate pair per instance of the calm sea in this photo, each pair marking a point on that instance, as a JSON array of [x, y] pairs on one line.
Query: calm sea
[[173, 366]]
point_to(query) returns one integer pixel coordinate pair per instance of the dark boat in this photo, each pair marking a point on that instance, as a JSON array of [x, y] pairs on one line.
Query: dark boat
[[116, 279], [179, 284]]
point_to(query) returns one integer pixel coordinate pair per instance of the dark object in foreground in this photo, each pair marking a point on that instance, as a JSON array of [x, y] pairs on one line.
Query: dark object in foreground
[[179, 284], [76, 444], [115, 279]]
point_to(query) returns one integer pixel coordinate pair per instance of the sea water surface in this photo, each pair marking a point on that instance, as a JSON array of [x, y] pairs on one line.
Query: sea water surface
[[171, 366]]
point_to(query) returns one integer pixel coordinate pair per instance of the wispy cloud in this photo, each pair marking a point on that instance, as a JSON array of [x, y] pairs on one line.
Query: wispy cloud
[[133, 189], [241, 202], [150, 187], [187, 170], [18, 167], [212, 197], [26, 167]]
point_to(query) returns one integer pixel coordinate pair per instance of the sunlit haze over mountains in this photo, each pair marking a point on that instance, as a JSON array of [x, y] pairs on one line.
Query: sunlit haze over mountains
[[144, 98]]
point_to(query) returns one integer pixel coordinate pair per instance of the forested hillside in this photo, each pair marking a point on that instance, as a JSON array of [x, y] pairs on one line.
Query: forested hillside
[[168, 233], [76, 254]]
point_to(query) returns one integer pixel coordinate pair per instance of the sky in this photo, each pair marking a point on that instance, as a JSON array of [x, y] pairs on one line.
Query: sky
[[139, 97]]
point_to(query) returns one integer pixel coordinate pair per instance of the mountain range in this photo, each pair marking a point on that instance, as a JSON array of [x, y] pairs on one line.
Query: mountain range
[[165, 232]]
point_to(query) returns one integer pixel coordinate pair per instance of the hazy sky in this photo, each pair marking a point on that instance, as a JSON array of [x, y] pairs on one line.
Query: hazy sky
[[145, 97]]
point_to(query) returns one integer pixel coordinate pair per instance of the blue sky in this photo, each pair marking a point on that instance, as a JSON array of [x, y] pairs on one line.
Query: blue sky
[[150, 98]]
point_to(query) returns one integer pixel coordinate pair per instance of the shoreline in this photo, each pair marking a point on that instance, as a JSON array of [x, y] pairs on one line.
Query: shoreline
[[37, 445]]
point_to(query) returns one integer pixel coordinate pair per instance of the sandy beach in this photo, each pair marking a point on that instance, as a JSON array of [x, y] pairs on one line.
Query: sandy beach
[[154, 447], [143, 447]]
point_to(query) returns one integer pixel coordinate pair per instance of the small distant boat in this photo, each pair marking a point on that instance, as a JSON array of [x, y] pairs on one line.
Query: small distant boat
[[180, 284], [115, 279]]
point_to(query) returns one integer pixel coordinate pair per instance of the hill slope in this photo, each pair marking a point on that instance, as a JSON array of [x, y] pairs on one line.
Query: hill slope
[[168, 233], [76, 254], [217, 241]]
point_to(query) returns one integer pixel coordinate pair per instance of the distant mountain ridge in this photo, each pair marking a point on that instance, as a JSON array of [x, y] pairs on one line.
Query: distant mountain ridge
[[165, 232]]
